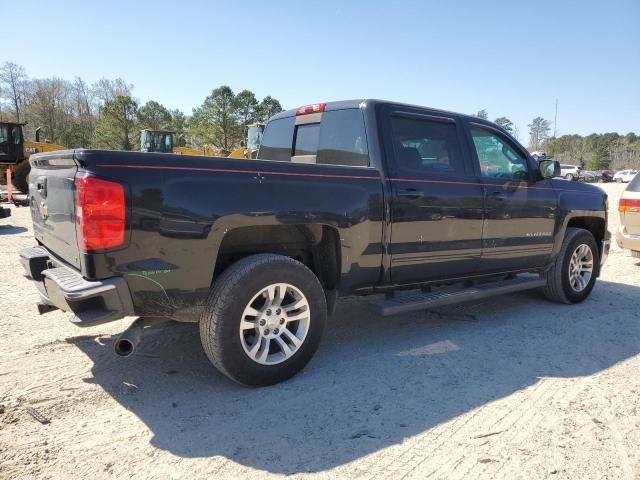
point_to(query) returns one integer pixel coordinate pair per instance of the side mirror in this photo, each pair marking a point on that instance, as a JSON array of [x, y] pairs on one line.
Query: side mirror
[[549, 168]]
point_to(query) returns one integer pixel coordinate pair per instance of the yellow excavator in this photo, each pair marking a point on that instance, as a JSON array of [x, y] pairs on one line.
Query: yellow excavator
[[15, 152], [163, 141], [249, 147]]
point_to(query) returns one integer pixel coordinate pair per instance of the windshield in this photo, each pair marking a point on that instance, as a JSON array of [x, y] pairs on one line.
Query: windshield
[[15, 134], [4, 134], [254, 137], [156, 142]]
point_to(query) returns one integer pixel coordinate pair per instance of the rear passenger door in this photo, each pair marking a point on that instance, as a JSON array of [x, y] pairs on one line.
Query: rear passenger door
[[520, 207], [436, 204]]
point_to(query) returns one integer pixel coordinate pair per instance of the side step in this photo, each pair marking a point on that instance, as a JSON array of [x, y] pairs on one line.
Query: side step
[[451, 295]]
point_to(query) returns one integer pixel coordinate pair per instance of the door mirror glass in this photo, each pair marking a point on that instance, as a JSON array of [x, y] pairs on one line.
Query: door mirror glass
[[549, 168]]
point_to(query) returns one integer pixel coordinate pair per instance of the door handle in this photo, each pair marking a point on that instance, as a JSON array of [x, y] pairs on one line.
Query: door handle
[[411, 194], [498, 195]]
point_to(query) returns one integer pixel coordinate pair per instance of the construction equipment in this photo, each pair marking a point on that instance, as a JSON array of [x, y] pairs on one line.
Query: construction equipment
[[163, 141], [15, 152], [249, 148]]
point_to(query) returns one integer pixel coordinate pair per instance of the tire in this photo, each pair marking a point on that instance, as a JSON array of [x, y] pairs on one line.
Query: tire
[[618, 180], [569, 177], [21, 176], [559, 287], [236, 292]]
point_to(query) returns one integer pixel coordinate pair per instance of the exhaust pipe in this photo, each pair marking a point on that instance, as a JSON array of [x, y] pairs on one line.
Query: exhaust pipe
[[128, 341], [38, 134]]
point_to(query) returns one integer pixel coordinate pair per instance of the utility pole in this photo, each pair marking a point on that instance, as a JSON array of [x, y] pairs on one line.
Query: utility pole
[[555, 121]]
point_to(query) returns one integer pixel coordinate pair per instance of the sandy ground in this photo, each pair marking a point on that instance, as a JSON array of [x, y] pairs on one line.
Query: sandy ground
[[515, 387]]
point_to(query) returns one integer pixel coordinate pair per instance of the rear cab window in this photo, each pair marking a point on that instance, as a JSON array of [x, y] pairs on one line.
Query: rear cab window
[[277, 140], [333, 137]]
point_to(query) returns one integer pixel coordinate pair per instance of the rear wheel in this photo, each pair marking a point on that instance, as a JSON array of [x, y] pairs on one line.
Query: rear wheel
[[264, 319], [573, 274], [569, 176], [618, 180]]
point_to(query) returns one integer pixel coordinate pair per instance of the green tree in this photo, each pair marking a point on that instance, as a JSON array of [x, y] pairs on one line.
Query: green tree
[[179, 125], [570, 149], [154, 116], [482, 114], [268, 107], [601, 147], [117, 127], [215, 122], [538, 132], [505, 123], [245, 105]]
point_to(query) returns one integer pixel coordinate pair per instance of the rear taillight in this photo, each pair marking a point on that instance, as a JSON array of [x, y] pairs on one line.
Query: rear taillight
[[629, 205], [100, 213], [314, 108]]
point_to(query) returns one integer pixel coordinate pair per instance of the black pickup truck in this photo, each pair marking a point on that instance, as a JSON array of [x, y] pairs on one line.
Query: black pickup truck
[[353, 197]]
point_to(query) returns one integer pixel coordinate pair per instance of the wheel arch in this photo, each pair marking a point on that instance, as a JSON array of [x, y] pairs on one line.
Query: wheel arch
[[592, 221], [313, 244]]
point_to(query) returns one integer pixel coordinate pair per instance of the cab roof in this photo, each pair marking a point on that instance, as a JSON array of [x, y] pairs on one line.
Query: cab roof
[[371, 102]]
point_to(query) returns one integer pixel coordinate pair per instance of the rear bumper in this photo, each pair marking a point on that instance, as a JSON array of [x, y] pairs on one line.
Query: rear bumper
[[626, 240], [63, 287]]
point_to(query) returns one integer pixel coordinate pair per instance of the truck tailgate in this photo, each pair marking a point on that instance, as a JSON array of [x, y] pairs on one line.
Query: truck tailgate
[[51, 193]]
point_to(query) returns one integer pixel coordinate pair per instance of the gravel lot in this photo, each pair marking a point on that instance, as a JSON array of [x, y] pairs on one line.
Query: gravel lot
[[514, 387]]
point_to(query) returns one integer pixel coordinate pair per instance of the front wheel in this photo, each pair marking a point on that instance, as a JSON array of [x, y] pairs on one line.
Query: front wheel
[[574, 271], [569, 176], [263, 320], [618, 180]]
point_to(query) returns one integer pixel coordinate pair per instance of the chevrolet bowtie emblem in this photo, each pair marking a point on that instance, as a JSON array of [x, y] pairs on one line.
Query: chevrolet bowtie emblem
[[44, 211]]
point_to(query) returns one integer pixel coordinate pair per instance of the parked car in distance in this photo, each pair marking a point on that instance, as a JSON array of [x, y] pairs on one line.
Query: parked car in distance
[[590, 176], [356, 197], [624, 176], [539, 155], [570, 172], [628, 234], [606, 176]]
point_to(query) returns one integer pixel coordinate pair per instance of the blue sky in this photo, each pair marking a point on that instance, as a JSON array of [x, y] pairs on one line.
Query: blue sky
[[512, 58]]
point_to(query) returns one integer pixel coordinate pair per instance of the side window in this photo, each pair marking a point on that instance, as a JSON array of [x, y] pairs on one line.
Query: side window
[[497, 158], [277, 140], [426, 147]]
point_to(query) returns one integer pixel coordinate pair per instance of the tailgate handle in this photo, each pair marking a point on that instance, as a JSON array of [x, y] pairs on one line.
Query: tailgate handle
[[41, 185]]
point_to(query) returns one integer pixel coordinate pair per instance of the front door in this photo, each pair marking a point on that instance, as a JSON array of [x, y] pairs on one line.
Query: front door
[[436, 204], [520, 207]]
